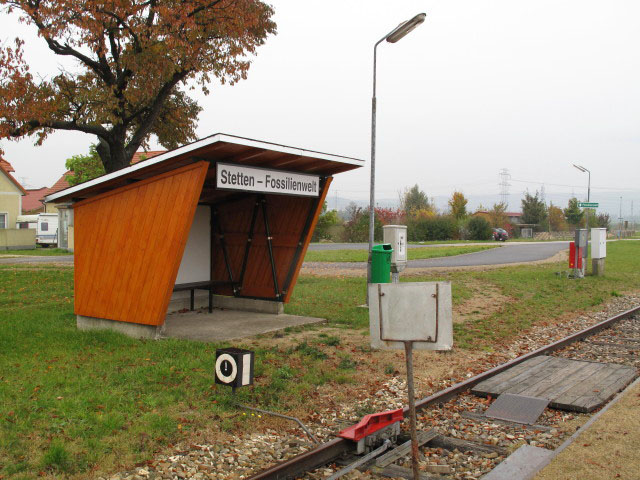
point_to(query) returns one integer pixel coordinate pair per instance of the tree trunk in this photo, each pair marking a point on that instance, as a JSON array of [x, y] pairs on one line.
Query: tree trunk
[[113, 154]]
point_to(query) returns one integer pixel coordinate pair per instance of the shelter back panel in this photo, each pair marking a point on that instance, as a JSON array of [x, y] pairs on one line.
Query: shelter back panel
[[129, 244]]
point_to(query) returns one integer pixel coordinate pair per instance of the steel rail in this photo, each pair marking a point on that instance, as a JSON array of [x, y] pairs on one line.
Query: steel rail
[[333, 449]]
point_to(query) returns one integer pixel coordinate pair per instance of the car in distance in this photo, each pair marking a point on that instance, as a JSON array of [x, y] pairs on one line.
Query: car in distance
[[500, 235]]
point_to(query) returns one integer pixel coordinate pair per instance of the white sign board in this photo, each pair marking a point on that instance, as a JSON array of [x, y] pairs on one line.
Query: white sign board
[[419, 312], [252, 179]]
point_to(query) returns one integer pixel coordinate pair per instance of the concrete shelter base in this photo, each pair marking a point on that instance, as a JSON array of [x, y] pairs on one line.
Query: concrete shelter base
[[135, 330], [222, 325]]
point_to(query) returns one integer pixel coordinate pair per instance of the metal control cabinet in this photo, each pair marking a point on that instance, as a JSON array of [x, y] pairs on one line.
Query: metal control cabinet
[[418, 312], [598, 243], [396, 235]]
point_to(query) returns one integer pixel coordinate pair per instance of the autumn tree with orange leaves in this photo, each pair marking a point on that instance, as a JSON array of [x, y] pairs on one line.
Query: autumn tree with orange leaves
[[134, 62]]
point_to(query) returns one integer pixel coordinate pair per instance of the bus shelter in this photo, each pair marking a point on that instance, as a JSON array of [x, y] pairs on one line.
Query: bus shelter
[[222, 222]]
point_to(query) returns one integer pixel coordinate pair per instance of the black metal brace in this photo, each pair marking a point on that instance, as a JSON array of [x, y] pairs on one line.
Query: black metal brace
[[216, 226], [263, 201], [247, 249]]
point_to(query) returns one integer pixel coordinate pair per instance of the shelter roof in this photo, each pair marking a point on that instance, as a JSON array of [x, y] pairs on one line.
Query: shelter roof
[[217, 147]]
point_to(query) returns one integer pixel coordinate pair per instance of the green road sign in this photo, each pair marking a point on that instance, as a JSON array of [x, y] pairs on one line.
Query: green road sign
[[588, 205]]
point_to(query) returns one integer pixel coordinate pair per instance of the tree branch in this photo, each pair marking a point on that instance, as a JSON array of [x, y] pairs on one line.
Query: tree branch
[[33, 125], [65, 50], [154, 110]]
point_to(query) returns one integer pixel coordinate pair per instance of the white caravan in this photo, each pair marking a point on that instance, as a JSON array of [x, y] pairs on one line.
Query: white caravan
[[27, 221], [47, 231]]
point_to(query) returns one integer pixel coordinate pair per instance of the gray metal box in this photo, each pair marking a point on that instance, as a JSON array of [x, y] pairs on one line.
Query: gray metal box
[[396, 235], [598, 242], [581, 237], [420, 312]]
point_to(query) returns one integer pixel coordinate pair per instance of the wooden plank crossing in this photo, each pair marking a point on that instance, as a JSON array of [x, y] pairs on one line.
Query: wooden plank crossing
[[569, 384]]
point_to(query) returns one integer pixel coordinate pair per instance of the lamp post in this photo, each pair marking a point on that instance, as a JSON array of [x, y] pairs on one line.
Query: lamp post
[[583, 170], [392, 37]]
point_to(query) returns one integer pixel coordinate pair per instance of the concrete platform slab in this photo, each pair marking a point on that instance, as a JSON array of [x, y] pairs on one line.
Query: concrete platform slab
[[223, 325]]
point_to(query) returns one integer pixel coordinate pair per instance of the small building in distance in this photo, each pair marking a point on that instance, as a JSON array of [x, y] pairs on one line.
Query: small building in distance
[[11, 195]]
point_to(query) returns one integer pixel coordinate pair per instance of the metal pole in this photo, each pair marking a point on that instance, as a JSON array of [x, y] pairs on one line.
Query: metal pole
[[620, 220], [408, 353], [372, 187], [586, 257]]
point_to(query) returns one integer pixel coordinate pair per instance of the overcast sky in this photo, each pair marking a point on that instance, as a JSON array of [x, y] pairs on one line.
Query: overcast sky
[[480, 86]]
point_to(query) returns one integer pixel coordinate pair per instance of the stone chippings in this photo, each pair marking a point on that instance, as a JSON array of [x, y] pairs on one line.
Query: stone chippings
[[249, 453]]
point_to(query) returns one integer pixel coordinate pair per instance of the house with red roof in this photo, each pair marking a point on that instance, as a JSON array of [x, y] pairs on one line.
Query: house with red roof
[[11, 193]]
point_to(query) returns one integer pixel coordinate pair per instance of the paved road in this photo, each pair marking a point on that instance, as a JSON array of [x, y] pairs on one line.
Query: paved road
[[35, 259], [508, 253], [365, 246]]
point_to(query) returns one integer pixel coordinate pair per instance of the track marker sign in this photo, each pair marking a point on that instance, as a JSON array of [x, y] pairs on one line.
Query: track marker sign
[[234, 367]]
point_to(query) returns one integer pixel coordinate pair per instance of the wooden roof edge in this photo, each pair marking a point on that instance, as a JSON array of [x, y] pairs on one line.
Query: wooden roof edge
[[348, 162]]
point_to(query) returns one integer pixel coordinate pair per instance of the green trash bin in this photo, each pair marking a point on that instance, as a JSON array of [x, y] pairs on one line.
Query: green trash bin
[[381, 263]]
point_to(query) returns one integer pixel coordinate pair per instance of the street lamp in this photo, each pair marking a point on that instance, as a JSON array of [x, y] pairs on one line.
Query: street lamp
[[583, 170], [392, 37]]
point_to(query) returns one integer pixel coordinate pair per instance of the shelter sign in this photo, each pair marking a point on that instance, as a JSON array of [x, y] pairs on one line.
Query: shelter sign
[[253, 179]]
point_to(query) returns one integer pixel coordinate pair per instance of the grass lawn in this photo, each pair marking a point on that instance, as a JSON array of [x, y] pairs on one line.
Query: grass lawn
[[75, 403], [413, 253], [38, 251]]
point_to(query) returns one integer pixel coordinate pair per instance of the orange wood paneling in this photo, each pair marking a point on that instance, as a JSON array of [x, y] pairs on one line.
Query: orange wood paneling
[[307, 240], [287, 216], [129, 243]]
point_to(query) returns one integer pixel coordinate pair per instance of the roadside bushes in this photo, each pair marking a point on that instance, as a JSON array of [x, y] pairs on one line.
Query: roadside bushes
[[431, 228], [478, 229], [356, 228]]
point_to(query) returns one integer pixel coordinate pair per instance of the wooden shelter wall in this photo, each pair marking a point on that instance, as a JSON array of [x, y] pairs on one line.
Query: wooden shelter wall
[[287, 218], [129, 243]]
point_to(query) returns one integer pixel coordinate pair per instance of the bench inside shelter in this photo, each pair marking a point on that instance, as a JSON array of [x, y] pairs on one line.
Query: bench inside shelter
[[193, 286]]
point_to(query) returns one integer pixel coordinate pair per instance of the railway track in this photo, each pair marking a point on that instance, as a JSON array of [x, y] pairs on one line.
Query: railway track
[[459, 441]]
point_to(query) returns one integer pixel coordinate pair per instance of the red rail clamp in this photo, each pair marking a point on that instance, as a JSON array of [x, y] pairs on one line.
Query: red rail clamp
[[371, 424]]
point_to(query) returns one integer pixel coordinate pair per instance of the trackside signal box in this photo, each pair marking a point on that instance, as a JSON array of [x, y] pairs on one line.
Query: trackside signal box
[[572, 256], [598, 242], [396, 235]]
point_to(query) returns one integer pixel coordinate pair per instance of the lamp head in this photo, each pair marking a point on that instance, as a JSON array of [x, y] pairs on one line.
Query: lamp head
[[405, 27], [582, 169]]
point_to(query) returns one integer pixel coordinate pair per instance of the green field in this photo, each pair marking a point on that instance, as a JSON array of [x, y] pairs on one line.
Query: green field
[[412, 253], [75, 403]]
